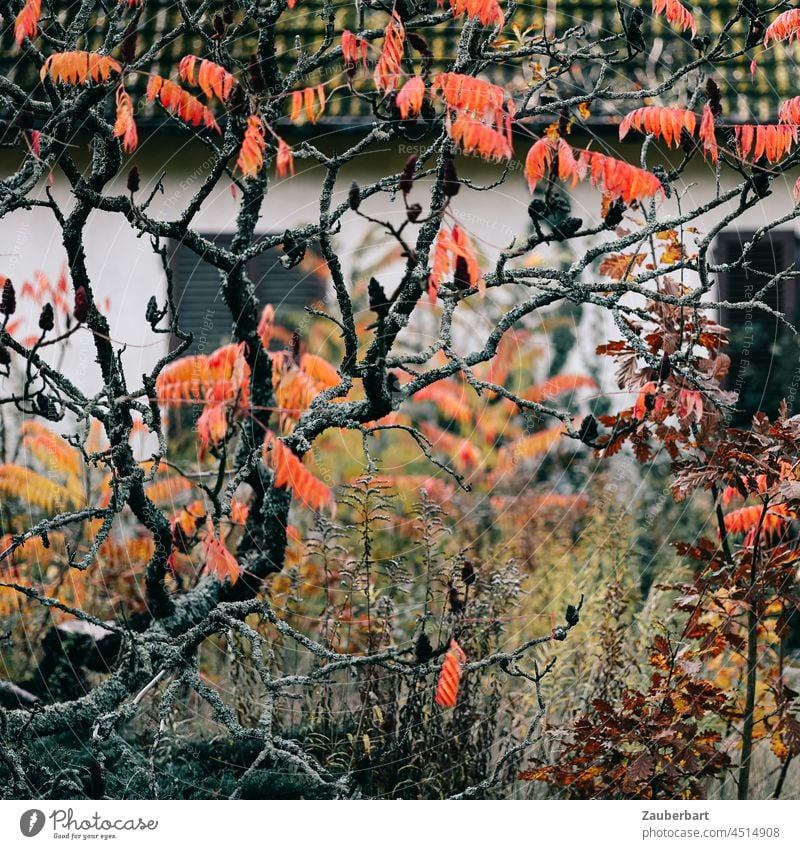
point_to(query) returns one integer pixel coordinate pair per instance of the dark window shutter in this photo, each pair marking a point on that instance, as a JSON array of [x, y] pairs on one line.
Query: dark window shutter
[[763, 351], [198, 294]]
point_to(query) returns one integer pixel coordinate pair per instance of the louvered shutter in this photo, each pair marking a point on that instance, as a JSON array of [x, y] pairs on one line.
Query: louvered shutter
[[762, 350], [199, 299]]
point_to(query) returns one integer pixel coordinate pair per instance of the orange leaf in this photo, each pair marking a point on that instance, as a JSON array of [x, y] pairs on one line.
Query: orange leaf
[[125, 126], [219, 560], [487, 11], [213, 79], [26, 24], [479, 139], [464, 93], [212, 426], [708, 135], [617, 266], [251, 155], [321, 370], [745, 520], [661, 121], [284, 160], [538, 161], [78, 66], [622, 180], [178, 101], [310, 101], [568, 166], [789, 113], [450, 676], [410, 97], [772, 141], [354, 51], [675, 13], [388, 70], [786, 25], [223, 376], [291, 473]]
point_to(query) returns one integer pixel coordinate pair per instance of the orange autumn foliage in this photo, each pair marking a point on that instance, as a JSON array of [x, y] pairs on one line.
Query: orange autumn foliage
[[124, 125], [251, 154], [212, 426], [450, 676], [620, 180], [465, 93], [309, 102], [284, 160], [213, 79], [676, 14], [772, 141], [454, 250], [410, 97], [486, 11], [219, 560], [26, 24], [78, 67], [475, 138], [707, 134], [219, 377], [786, 25], [354, 51], [34, 489], [388, 70], [292, 474], [180, 102], [663, 122]]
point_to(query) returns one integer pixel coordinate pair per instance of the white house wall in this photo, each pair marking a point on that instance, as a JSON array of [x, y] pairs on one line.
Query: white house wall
[[125, 270]]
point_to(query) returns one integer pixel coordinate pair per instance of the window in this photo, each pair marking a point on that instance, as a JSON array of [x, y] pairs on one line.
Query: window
[[199, 299], [764, 354]]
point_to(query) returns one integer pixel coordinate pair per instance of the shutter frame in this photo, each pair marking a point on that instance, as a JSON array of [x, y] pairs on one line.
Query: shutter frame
[[198, 298]]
